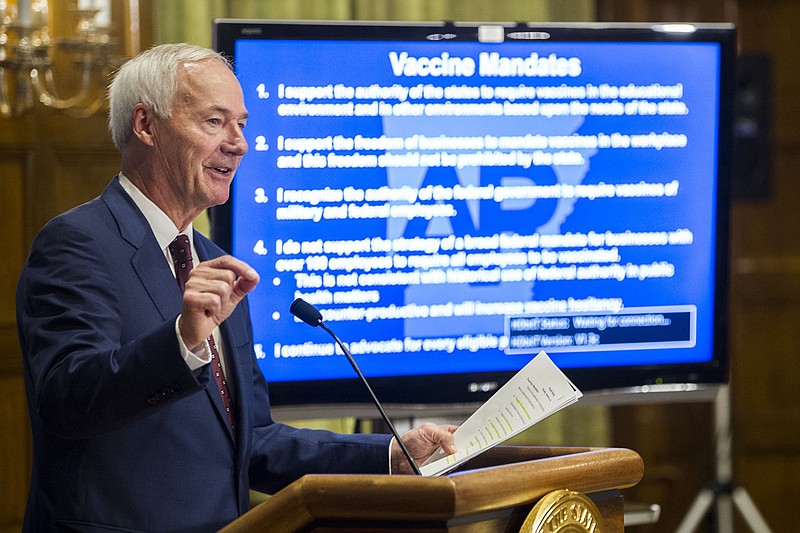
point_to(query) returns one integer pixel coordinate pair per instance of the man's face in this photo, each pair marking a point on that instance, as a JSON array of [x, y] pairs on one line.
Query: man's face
[[199, 148]]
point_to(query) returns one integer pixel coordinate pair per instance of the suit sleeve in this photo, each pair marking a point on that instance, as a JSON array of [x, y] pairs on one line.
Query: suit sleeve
[[283, 454], [85, 375]]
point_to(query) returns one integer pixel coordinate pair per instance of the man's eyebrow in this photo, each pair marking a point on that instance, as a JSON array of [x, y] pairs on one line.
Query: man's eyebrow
[[226, 111]]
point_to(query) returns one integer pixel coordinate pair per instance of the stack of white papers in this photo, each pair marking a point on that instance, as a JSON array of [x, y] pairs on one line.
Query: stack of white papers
[[534, 393]]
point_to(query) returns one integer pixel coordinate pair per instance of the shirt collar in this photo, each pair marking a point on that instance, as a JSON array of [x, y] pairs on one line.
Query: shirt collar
[[163, 227]]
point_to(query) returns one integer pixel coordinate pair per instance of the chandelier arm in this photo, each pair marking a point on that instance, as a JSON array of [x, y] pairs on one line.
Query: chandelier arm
[[86, 111], [50, 82], [46, 94]]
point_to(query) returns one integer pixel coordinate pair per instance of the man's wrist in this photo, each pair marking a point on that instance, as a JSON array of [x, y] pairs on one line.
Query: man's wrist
[[196, 358]]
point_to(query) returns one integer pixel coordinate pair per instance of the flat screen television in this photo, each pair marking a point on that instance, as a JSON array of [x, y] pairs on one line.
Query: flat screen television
[[455, 198]]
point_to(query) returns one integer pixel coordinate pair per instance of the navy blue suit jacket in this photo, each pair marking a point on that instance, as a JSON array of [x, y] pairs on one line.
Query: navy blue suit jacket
[[126, 437]]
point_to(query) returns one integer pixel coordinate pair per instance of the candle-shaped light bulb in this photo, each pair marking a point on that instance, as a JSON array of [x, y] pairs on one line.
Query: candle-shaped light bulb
[[24, 12]]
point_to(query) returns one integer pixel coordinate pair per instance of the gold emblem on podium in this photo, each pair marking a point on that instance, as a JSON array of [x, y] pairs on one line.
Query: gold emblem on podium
[[564, 511]]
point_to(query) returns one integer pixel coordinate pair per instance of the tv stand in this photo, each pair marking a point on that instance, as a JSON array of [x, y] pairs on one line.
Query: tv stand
[[723, 490]]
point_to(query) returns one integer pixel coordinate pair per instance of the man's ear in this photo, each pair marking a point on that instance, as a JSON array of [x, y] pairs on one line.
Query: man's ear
[[143, 124]]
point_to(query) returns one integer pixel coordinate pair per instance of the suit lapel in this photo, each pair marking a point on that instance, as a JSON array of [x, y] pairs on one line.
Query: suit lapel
[[148, 261]]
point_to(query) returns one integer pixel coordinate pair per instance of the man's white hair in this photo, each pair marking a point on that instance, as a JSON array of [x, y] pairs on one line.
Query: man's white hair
[[150, 78]]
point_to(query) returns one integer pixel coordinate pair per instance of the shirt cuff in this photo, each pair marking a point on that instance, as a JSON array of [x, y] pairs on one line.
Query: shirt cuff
[[194, 359]]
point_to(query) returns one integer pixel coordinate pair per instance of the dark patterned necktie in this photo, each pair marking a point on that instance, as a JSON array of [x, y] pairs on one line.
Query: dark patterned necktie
[[181, 251]]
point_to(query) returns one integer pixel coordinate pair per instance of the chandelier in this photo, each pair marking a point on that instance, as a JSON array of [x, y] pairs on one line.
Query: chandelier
[[27, 54]]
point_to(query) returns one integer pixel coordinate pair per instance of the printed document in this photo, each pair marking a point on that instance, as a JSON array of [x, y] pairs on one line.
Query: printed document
[[534, 393]]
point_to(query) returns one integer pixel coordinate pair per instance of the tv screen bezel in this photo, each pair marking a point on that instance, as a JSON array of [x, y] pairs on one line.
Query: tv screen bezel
[[445, 390]]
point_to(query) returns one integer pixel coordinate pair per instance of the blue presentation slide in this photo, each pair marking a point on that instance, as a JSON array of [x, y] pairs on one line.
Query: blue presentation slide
[[458, 207]]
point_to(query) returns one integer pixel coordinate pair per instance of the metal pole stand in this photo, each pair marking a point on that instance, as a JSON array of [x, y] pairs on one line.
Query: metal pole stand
[[723, 490]]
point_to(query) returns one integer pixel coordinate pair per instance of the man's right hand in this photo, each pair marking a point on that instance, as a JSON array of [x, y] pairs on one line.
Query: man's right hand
[[213, 291]]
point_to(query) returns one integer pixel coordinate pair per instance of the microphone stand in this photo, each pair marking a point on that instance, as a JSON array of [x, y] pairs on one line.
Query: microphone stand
[[374, 398]]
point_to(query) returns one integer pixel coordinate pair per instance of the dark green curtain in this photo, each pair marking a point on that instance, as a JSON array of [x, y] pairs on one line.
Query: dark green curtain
[[190, 20]]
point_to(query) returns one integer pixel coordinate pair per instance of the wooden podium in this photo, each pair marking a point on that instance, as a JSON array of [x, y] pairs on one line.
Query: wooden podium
[[494, 492]]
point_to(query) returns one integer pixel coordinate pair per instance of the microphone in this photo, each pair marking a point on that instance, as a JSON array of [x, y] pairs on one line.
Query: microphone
[[311, 316]]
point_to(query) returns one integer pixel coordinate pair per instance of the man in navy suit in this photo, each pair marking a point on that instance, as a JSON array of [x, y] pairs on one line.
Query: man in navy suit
[[130, 431]]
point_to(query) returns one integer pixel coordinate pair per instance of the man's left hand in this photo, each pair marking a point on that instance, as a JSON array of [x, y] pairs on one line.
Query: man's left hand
[[421, 442]]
